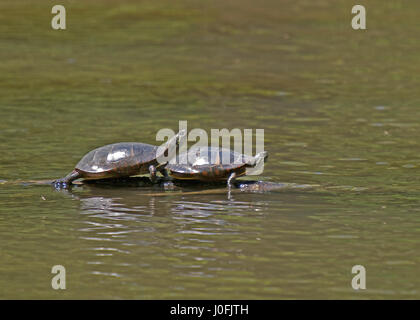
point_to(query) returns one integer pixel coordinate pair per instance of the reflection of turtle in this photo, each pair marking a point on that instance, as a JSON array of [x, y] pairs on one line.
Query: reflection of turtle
[[212, 164], [121, 160]]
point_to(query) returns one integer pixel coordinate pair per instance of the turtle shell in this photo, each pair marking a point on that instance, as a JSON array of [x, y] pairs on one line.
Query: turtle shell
[[208, 163], [118, 160]]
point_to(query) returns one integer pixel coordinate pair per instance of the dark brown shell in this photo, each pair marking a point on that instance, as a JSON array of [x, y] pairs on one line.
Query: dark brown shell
[[118, 159], [209, 164]]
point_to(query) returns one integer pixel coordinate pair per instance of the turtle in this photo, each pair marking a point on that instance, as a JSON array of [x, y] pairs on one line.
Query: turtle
[[119, 160], [212, 164]]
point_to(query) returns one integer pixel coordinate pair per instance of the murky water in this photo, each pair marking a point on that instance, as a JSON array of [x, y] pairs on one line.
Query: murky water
[[340, 110]]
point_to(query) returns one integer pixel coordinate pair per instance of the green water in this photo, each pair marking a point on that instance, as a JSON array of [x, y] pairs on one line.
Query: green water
[[340, 109]]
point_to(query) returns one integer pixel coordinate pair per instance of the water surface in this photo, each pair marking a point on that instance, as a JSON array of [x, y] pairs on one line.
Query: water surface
[[340, 111]]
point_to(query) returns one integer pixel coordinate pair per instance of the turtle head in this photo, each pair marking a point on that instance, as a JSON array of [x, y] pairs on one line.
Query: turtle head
[[256, 164], [179, 136], [259, 158], [175, 140], [167, 150]]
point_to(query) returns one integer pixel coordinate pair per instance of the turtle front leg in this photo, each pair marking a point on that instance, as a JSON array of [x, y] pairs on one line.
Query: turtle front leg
[[152, 170], [67, 180], [231, 180], [164, 173]]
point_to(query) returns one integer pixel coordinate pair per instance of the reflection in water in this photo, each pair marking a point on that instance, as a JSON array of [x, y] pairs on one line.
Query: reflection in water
[[131, 238], [127, 223]]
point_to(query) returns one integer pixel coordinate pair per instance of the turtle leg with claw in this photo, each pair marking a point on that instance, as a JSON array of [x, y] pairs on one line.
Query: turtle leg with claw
[[231, 180], [67, 180], [164, 172], [152, 170]]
